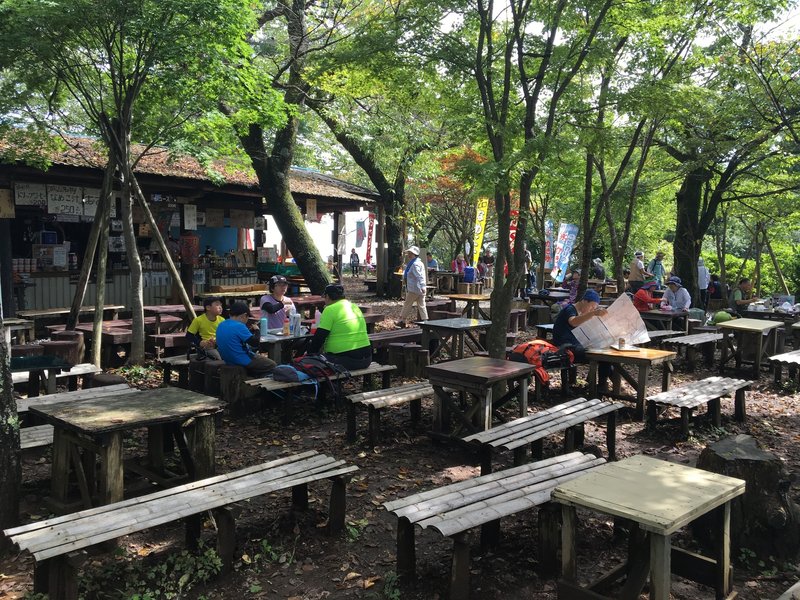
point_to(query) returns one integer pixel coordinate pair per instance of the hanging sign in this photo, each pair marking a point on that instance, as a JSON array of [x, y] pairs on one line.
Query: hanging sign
[[548, 244], [242, 219], [370, 227], [189, 216], [64, 200], [311, 210], [215, 217], [6, 204], [91, 200], [480, 228], [30, 194]]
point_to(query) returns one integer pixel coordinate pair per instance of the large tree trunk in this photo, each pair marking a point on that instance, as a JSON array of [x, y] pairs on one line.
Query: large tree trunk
[[135, 269], [10, 474], [504, 287], [688, 234], [100, 287]]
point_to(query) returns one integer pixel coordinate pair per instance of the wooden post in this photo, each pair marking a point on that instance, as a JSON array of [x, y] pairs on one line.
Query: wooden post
[[111, 485], [549, 531], [569, 565], [226, 536], [300, 496], [406, 559], [459, 573], [338, 505]]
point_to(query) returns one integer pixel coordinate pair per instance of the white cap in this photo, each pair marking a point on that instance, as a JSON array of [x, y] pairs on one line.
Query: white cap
[[414, 250]]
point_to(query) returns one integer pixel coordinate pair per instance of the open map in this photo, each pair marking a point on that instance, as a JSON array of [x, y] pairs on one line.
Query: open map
[[621, 321]]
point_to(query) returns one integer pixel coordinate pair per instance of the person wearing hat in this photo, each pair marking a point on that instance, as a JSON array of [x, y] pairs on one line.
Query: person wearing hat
[[342, 332], [414, 277], [237, 344], [638, 272], [676, 295], [656, 267], [643, 299], [202, 331], [276, 306], [570, 317]]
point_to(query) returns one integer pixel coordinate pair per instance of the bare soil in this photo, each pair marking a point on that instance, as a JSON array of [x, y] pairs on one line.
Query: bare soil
[[288, 555]]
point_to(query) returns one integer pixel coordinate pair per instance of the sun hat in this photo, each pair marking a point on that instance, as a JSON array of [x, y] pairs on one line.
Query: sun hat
[[638, 253], [676, 280], [648, 285], [591, 296], [414, 250]]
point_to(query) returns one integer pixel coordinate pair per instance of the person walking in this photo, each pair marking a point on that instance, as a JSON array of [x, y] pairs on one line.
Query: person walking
[[414, 276], [354, 262], [638, 272]]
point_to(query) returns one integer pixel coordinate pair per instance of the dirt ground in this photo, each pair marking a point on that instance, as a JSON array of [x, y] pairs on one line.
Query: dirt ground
[[288, 555]]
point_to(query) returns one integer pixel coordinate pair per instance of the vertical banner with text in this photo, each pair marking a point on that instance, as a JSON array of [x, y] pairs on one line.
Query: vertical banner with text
[[480, 228], [370, 227], [548, 244], [567, 234], [512, 236]]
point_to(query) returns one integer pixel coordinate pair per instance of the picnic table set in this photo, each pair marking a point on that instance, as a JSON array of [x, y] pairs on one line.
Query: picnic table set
[[86, 428]]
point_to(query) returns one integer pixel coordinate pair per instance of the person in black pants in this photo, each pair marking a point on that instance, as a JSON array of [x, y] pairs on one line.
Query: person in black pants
[[570, 317]]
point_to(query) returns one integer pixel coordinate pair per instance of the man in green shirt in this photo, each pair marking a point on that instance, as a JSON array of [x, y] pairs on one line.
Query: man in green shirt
[[342, 332], [741, 296]]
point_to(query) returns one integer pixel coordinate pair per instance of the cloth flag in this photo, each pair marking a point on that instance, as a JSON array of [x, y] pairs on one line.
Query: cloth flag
[[567, 234], [370, 227], [548, 244], [361, 232], [480, 228]]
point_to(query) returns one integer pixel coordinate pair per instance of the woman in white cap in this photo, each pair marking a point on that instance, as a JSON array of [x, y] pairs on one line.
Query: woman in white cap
[[414, 276]]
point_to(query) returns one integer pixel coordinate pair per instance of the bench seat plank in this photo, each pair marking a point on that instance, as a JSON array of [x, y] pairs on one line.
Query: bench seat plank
[[76, 371], [35, 437], [787, 358], [377, 400], [269, 384]]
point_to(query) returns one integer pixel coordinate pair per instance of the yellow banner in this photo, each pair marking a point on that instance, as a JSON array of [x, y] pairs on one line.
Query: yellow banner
[[480, 228]]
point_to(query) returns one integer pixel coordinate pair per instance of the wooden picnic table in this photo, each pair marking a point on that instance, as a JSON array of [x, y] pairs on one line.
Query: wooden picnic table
[[660, 498], [279, 346], [643, 359], [161, 310], [550, 298], [676, 320], [309, 303], [452, 335], [38, 367], [52, 313], [475, 378], [749, 337], [473, 309], [95, 427], [23, 327], [251, 296]]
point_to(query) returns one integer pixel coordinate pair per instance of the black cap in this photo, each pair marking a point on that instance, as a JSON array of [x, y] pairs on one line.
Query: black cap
[[276, 279], [334, 291], [239, 308]]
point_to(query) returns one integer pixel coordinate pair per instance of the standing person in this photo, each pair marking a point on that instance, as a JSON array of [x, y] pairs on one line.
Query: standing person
[[598, 270], [742, 295], [703, 280], [656, 268], [570, 317], [414, 275], [638, 272], [202, 331], [715, 288], [525, 287], [237, 344], [354, 262], [459, 264], [276, 305], [676, 295], [488, 260], [342, 332], [571, 283]]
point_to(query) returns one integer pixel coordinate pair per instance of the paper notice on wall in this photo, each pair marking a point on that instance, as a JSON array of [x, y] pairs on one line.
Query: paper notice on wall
[[190, 216], [64, 200], [91, 200], [215, 217], [621, 321]]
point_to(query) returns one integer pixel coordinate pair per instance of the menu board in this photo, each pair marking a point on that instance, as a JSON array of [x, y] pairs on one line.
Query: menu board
[[64, 200], [244, 219], [91, 200], [30, 194], [215, 217], [6, 204]]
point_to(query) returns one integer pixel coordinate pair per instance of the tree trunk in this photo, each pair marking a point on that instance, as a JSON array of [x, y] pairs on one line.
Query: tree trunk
[[504, 287], [10, 474], [100, 289], [688, 236], [135, 267]]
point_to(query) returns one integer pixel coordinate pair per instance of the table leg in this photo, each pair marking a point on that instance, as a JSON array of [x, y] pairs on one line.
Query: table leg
[[523, 396], [569, 557], [439, 410], [51, 381], [275, 352], [724, 351], [203, 446], [593, 379], [723, 584], [641, 391], [659, 566], [459, 344], [666, 375], [757, 358], [111, 488], [59, 478], [486, 411]]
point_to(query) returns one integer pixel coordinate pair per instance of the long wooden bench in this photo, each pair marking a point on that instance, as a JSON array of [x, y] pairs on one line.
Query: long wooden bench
[[35, 437], [375, 401], [790, 360], [55, 542], [708, 391], [454, 509], [568, 417], [79, 370], [707, 342]]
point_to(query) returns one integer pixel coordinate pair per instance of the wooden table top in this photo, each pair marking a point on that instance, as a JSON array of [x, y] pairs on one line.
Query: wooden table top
[[559, 294], [457, 324], [661, 496], [664, 314], [480, 369], [468, 297], [752, 325], [19, 364], [649, 355], [305, 301], [127, 411], [171, 309], [250, 294], [12, 322], [55, 312]]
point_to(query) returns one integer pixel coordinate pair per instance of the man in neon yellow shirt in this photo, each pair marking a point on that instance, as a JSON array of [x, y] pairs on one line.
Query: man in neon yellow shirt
[[202, 332], [342, 332]]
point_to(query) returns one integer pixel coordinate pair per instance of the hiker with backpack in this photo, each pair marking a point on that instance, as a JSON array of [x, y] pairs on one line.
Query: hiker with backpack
[[656, 267], [342, 332], [237, 344]]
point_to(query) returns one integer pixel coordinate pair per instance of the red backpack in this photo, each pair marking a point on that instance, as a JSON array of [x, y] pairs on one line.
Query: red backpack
[[542, 355]]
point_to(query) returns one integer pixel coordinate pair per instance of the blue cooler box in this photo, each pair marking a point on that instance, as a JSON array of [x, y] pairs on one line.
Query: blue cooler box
[[469, 274]]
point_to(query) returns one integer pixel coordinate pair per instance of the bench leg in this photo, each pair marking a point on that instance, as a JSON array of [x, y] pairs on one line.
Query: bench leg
[[537, 450], [611, 435], [490, 534], [167, 379], [777, 372], [486, 459], [715, 412], [520, 454], [569, 440], [374, 425], [685, 414], [183, 377], [652, 414], [416, 410], [226, 536], [739, 411], [549, 532], [351, 421], [62, 578], [338, 505], [300, 496], [406, 558], [459, 572]]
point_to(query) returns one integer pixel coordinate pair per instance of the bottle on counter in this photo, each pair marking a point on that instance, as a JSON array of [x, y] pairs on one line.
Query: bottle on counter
[[286, 326], [262, 327], [315, 324]]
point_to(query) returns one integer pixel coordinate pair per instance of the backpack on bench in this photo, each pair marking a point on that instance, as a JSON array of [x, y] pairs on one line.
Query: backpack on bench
[[543, 355], [310, 369]]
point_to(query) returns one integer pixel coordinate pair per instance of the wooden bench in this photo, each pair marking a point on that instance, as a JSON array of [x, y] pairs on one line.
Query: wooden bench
[[165, 341], [790, 360], [381, 340], [454, 509], [543, 330], [175, 363], [657, 337], [568, 417], [55, 542], [707, 342], [375, 401], [708, 391], [35, 437], [81, 370]]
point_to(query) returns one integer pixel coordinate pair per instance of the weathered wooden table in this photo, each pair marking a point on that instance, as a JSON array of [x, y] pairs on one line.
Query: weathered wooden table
[[659, 497], [171, 310], [86, 430], [676, 320], [644, 359], [23, 327], [308, 303], [550, 298], [38, 367], [279, 346], [474, 377], [473, 308], [452, 335], [749, 335]]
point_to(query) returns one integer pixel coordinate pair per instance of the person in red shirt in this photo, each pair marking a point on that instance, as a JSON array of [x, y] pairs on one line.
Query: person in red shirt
[[643, 299]]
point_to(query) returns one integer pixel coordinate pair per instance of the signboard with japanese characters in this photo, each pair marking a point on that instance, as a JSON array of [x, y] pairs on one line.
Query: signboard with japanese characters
[[189, 216], [64, 200], [244, 219], [91, 200], [215, 217], [30, 194]]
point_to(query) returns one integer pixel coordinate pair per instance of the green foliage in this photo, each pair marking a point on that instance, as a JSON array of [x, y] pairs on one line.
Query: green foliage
[[354, 529]]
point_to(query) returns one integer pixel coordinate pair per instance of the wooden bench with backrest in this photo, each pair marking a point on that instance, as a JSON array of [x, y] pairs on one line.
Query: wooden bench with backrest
[[84, 370], [708, 391], [56, 543], [569, 417], [454, 509], [790, 360], [377, 400], [706, 342]]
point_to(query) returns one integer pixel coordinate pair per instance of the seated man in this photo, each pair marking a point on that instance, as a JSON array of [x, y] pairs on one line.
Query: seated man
[[202, 332], [741, 296], [570, 317], [643, 299], [236, 343], [676, 295], [342, 332]]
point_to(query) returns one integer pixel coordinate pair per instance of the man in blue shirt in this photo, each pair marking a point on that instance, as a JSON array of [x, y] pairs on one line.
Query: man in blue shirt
[[570, 317], [236, 343]]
